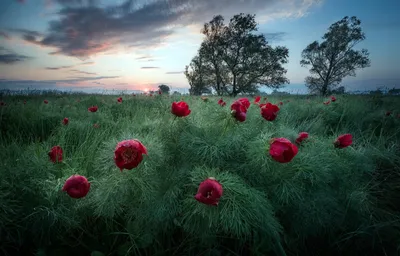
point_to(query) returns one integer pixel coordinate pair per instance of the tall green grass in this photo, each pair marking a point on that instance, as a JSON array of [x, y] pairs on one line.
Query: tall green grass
[[326, 201]]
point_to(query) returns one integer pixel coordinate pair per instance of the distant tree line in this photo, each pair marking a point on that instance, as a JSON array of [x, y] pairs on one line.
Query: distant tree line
[[233, 59]]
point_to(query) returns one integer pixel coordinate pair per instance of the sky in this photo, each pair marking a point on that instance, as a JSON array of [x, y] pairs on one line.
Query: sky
[[91, 45]]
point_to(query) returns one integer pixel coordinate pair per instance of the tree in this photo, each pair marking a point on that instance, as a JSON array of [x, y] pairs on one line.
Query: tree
[[195, 74], [232, 59], [164, 88], [335, 58]]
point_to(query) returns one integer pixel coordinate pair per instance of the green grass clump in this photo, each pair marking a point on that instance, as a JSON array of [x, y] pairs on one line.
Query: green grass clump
[[326, 201]]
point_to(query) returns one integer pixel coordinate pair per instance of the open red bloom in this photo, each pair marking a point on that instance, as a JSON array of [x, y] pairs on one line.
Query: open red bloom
[[281, 103], [269, 111], [343, 141], [119, 99], [180, 108], [65, 121], [282, 150], [327, 102], [257, 100], [245, 102], [93, 108], [56, 154], [302, 136], [209, 192], [239, 110], [128, 154], [333, 98], [76, 186], [45, 101]]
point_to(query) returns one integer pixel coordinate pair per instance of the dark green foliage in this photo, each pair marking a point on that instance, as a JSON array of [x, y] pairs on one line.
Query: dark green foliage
[[326, 201]]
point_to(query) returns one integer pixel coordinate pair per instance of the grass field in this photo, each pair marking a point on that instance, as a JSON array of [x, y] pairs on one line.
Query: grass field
[[326, 201]]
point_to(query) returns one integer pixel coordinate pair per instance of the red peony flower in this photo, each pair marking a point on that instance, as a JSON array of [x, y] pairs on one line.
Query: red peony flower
[[209, 192], [76, 186], [282, 150], [128, 154], [343, 141], [281, 103], [56, 154], [239, 110], [223, 104], [257, 100], [302, 136], [245, 102], [159, 92], [327, 102], [93, 109], [333, 98], [65, 121], [269, 111], [119, 99], [45, 101], [180, 109]]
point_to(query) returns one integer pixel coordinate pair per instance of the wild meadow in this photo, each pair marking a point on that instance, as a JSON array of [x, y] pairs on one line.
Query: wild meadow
[[199, 182]]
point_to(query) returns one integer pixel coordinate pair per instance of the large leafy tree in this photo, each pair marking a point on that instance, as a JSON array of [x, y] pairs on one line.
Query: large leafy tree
[[335, 57], [236, 60]]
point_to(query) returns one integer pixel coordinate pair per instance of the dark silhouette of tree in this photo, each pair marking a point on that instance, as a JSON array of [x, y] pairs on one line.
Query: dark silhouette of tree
[[233, 56], [164, 88], [335, 57]]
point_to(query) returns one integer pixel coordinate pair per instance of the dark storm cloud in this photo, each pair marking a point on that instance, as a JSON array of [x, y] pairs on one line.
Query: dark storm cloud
[[85, 27], [10, 57]]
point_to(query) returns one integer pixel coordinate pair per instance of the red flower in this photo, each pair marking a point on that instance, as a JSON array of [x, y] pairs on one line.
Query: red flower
[[343, 141], [119, 99], [76, 186], [388, 113], [209, 192], [327, 102], [45, 101], [282, 150], [56, 154], [269, 111], [239, 110], [257, 100], [180, 108], [245, 102], [281, 103], [221, 102], [333, 98], [159, 92], [93, 109], [65, 121], [128, 154], [302, 136]]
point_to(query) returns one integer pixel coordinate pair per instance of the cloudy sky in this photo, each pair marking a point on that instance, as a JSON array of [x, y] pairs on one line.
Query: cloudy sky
[[139, 44]]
